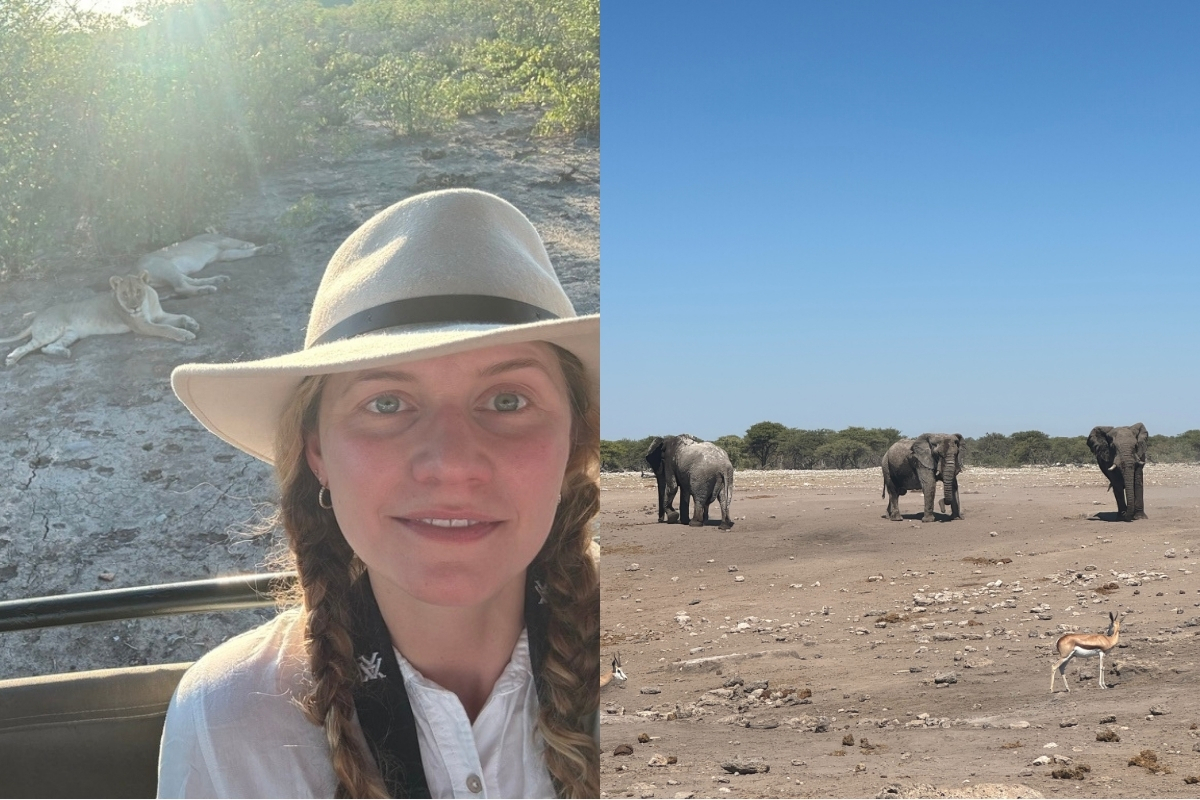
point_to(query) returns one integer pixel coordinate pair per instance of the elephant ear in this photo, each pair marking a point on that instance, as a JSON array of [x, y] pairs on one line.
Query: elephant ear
[[1143, 436], [1099, 440], [654, 454], [923, 453]]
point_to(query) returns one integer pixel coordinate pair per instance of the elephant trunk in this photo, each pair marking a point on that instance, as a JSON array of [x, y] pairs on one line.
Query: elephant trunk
[[1127, 472], [950, 481]]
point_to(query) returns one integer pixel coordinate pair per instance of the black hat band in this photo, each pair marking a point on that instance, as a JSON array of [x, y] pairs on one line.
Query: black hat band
[[445, 308]]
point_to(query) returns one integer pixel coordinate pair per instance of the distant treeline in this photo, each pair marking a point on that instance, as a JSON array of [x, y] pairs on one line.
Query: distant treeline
[[771, 445], [124, 135]]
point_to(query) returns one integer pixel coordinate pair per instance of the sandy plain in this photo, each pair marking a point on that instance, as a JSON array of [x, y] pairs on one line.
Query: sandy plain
[[859, 657]]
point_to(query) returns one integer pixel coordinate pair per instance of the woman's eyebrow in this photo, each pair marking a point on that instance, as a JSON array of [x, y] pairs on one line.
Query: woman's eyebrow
[[511, 365], [381, 375]]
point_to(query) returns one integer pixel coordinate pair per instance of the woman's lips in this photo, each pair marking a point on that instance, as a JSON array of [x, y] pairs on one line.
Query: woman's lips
[[449, 527]]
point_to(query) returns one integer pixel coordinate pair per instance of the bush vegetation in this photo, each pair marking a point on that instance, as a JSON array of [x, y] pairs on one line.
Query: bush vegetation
[[771, 445], [134, 133]]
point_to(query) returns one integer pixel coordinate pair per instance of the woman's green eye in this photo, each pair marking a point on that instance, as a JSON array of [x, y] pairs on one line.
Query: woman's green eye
[[508, 401], [387, 404]]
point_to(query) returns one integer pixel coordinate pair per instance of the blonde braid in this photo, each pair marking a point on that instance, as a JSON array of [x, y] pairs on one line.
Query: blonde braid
[[327, 567], [571, 672]]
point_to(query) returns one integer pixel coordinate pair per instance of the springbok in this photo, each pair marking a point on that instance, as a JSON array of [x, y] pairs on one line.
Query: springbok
[[614, 674], [1085, 645]]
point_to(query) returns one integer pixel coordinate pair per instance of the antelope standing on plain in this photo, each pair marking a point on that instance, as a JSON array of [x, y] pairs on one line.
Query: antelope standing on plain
[[614, 674], [1085, 645]]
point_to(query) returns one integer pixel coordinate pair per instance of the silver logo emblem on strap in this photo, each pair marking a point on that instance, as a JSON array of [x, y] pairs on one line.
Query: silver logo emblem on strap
[[368, 668]]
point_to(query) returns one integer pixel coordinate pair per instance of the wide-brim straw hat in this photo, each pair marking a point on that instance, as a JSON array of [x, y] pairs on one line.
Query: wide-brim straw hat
[[436, 274]]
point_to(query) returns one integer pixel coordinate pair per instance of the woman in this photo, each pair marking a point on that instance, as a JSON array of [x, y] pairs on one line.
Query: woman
[[437, 447]]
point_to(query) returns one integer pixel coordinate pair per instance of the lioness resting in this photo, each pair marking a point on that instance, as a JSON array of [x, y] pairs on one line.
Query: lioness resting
[[132, 305], [172, 265]]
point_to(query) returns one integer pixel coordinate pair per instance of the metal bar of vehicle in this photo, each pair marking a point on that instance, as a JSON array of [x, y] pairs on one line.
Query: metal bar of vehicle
[[216, 594], [96, 733]]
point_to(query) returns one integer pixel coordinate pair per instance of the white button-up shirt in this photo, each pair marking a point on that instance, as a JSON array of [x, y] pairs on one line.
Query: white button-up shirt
[[235, 729]]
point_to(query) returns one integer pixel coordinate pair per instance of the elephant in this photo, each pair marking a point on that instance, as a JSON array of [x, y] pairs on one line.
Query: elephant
[[919, 464], [1121, 454], [695, 469]]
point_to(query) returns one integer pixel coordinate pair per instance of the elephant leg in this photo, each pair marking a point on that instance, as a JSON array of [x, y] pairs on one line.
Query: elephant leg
[[930, 489], [893, 507], [685, 498], [726, 522], [669, 505], [1118, 489], [1139, 503], [710, 494]]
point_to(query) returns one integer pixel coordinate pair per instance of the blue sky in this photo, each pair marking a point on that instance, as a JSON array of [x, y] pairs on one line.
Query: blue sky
[[963, 217]]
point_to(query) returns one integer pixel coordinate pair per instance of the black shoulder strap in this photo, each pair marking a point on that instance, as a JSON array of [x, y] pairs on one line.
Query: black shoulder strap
[[382, 703], [384, 711]]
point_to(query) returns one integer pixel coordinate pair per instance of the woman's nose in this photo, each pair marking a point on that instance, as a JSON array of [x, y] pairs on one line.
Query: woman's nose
[[450, 449]]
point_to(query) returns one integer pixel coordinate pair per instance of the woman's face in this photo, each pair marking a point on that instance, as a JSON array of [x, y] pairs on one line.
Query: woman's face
[[445, 473]]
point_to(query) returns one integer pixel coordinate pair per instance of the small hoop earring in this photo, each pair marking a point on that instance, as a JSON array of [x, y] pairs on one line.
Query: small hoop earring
[[324, 499], [558, 502]]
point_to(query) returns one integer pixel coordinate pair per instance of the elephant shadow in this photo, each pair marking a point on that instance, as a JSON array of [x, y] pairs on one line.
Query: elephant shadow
[[937, 517], [714, 523], [1107, 516]]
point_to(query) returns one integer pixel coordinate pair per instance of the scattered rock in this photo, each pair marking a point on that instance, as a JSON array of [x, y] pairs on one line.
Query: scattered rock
[[1158, 711], [1108, 719], [1149, 760], [980, 790], [848, 740], [657, 760], [623, 750], [945, 678], [107, 577], [740, 578], [1068, 723], [1107, 735], [650, 690], [633, 567], [1075, 773], [746, 766], [643, 738], [763, 724]]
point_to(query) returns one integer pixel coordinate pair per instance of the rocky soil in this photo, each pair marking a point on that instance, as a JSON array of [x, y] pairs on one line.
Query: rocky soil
[[110, 483], [817, 649]]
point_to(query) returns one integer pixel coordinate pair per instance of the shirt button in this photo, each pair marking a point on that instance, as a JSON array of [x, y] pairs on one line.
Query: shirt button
[[474, 784]]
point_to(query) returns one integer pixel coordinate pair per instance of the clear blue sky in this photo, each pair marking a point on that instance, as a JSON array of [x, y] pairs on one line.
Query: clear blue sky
[[961, 217]]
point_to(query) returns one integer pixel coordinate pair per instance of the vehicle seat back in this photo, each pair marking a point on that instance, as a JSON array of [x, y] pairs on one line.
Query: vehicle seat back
[[84, 734]]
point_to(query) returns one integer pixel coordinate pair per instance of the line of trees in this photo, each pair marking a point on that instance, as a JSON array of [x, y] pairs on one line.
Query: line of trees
[[134, 135], [771, 445]]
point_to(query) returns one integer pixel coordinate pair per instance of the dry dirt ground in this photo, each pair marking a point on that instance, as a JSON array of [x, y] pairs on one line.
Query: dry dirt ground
[[860, 657], [109, 482]]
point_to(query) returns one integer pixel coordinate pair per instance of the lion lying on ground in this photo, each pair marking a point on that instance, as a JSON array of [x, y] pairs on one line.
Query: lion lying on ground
[[173, 265], [132, 305]]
